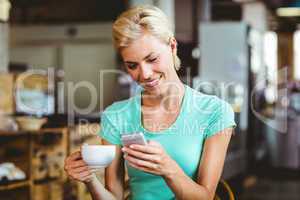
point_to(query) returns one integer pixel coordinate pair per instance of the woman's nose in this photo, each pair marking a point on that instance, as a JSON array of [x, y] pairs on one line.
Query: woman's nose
[[145, 71]]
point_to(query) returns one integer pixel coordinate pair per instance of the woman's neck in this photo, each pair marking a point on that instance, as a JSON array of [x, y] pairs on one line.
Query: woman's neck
[[169, 98]]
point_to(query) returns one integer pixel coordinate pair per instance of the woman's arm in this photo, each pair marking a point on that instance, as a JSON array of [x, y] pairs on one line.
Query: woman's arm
[[153, 159], [209, 171], [114, 180], [78, 170]]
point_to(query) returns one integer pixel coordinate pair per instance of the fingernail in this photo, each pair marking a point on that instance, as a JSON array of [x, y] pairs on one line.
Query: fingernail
[[132, 146]]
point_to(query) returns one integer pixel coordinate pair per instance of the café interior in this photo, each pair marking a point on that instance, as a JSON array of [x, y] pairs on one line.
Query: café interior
[[59, 71]]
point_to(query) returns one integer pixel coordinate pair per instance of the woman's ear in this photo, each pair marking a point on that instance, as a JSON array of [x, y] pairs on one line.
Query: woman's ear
[[173, 45]]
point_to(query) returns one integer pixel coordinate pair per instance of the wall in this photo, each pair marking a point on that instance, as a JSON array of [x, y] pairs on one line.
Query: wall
[[167, 6], [256, 15], [82, 51], [3, 46]]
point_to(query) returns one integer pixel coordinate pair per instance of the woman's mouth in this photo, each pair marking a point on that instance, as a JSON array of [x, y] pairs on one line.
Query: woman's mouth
[[152, 83]]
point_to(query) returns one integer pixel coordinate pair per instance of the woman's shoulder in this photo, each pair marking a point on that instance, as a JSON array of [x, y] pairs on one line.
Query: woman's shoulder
[[122, 107], [215, 112], [205, 101]]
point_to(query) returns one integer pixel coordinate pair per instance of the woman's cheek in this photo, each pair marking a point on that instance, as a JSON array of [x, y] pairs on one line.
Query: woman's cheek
[[133, 75], [163, 65]]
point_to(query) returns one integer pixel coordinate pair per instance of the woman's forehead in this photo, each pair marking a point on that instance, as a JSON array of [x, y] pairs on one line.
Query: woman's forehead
[[143, 46]]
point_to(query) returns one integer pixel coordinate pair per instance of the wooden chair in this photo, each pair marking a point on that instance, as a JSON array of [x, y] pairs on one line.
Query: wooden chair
[[224, 191]]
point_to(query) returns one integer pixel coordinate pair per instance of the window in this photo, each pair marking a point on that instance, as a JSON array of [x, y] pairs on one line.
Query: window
[[297, 55], [270, 60]]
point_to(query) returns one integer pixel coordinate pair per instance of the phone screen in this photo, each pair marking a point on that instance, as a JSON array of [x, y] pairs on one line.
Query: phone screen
[[133, 138]]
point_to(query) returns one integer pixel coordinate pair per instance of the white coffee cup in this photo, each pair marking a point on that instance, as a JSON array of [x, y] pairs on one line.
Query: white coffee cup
[[97, 156]]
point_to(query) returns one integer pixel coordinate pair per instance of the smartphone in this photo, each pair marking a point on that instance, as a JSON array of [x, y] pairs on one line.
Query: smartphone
[[133, 138]]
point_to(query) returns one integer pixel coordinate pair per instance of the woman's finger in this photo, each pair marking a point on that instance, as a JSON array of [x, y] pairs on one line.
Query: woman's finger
[[81, 169], [81, 176], [142, 168], [143, 156], [76, 164], [146, 149], [74, 156], [141, 163]]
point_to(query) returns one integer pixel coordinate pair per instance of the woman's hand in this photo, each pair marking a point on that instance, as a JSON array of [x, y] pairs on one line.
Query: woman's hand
[[151, 158], [77, 169]]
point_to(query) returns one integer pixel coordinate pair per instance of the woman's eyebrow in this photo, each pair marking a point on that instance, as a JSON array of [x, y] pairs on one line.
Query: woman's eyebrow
[[130, 62], [149, 55], [145, 58]]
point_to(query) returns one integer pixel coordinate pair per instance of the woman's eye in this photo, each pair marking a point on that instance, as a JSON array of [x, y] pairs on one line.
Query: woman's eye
[[131, 66]]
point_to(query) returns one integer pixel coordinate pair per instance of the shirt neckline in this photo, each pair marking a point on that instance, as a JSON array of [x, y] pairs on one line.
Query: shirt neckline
[[173, 125]]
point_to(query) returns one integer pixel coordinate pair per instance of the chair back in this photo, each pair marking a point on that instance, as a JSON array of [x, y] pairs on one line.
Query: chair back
[[224, 192]]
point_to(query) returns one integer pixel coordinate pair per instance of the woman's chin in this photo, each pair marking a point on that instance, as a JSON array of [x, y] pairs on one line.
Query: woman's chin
[[156, 89], [152, 90]]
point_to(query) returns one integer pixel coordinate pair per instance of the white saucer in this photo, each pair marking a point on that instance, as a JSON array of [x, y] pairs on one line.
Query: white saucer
[[97, 166]]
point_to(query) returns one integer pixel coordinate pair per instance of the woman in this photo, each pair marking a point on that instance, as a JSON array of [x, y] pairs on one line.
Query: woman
[[188, 132]]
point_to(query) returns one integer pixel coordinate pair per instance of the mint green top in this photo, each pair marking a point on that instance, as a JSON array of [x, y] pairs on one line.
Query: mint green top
[[201, 116]]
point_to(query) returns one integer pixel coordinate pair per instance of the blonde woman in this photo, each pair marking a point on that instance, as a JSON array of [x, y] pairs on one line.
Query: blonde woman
[[188, 132]]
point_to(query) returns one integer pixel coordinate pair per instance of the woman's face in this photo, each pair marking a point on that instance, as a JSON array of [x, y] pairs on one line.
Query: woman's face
[[149, 61]]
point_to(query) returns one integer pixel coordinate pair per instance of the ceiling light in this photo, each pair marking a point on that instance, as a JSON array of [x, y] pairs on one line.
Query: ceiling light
[[243, 1], [288, 12]]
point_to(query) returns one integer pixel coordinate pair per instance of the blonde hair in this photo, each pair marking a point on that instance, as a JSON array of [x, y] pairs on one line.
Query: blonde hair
[[133, 23]]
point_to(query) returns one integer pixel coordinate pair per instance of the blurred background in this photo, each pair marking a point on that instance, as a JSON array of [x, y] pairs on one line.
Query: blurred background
[[59, 70]]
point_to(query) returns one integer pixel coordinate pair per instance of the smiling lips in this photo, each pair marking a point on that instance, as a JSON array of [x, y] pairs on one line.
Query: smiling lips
[[152, 83]]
